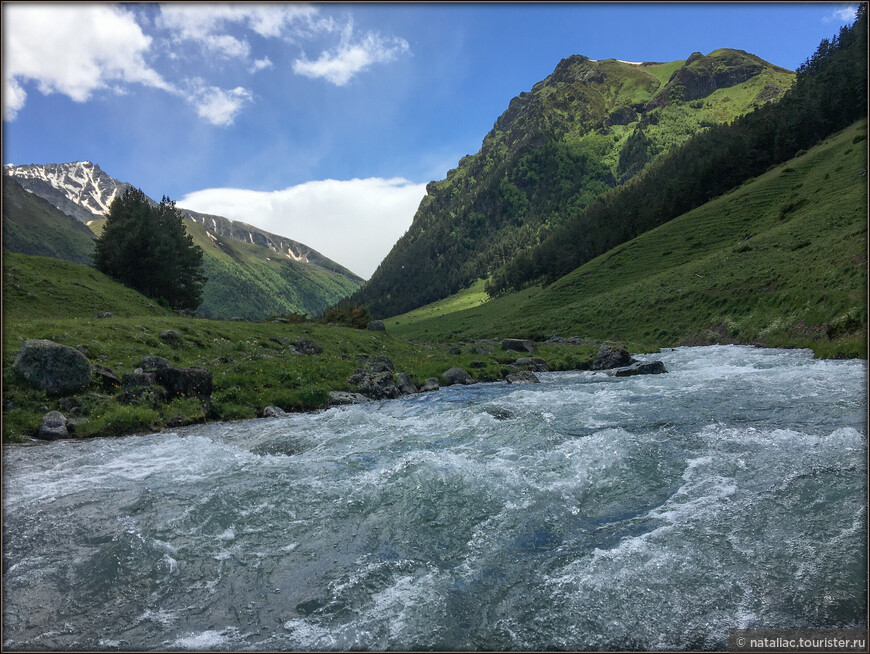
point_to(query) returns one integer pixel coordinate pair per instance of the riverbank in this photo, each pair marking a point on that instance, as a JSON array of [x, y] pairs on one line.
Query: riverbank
[[254, 365]]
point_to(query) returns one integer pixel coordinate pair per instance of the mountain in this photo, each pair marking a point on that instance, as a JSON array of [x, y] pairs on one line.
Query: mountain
[[252, 273], [33, 226], [588, 127], [780, 260]]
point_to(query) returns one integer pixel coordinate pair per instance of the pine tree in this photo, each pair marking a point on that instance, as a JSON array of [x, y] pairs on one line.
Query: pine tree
[[147, 248]]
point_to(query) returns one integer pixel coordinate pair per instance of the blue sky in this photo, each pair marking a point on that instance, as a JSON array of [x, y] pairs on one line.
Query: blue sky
[[324, 122]]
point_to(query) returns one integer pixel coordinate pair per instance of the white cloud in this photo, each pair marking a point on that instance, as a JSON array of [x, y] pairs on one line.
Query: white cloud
[[353, 222], [208, 25], [842, 15], [72, 49], [351, 57], [218, 106], [260, 64]]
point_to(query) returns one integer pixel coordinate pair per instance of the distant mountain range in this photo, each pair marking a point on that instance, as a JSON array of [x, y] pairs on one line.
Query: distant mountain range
[[252, 273]]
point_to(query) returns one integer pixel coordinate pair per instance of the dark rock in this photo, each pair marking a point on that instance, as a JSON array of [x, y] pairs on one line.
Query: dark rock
[[376, 326], [53, 367], [274, 412], [337, 398], [137, 379], [455, 349], [480, 349], [406, 386], [639, 368], [106, 377], [555, 338], [499, 413], [522, 377], [105, 314], [535, 364], [458, 376], [307, 346], [376, 385], [69, 404], [431, 384], [611, 357], [53, 427], [518, 345], [187, 382], [380, 363], [170, 336]]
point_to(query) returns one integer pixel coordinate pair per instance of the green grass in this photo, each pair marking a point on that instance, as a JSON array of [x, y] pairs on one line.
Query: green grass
[[467, 298], [780, 260], [251, 365]]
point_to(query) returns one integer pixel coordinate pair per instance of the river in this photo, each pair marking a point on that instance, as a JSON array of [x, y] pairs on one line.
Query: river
[[584, 512]]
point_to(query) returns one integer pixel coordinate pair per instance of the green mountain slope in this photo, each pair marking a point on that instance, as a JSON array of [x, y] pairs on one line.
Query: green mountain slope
[[588, 126], [37, 287], [33, 226], [247, 280], [780, 260]]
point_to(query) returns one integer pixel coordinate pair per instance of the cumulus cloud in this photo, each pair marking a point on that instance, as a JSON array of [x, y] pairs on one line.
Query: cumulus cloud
[[354, 222], [260, 64], [218, 106], [842, 15], [72, 49], [351, 56]]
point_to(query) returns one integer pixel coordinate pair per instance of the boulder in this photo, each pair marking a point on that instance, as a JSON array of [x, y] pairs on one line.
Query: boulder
[[69, 404], [187, 382], [457, 376], [454, 349], [274, 412], [518, 345], [480, 349], [611, 357], [138, 378], [307, 346], [155, 362], [53, 427], [375, 385], [522, 377], [170, 336], [376, 326], [53, 367], [337, 398], [406, 386], [641, 368], [106, 377], [431, 384], [535, 364], [380, 363]]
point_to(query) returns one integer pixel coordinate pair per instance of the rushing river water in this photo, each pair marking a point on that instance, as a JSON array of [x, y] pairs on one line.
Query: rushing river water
[[585, 512]]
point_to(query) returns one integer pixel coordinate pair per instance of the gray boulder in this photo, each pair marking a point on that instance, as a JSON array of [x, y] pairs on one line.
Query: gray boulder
[[155, 362], [137, 379], [307, 346], [380, 363], [53, 427], [375, 385], [522, 377], [457, 376], [535, 364], [274, 412], [376, 326], [338, 398], [53, 367], [69, 404], [187, 382], [639, 368], [480, 348], [431, 384], [611, 357], [406, 386], [170, 336], [519, 345]]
